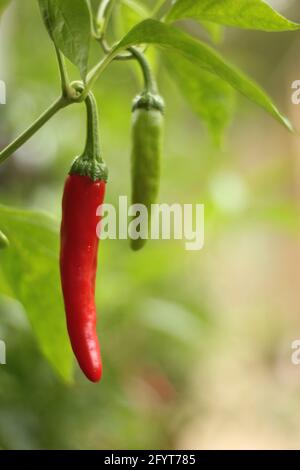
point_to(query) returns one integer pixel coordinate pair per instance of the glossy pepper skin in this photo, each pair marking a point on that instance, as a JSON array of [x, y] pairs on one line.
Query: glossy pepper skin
[[83, 194], [147, 138], [78, 265]]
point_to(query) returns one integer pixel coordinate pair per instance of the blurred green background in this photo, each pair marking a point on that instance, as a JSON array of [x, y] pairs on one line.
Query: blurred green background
[[196, 345]]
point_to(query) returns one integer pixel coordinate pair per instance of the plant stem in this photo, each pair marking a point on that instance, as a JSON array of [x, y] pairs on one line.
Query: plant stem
[[17, 143], [98, 69], [64, 79], [104, 14], [92, 146], [107, 50], [150, 83], [94, 74], [101, 11]]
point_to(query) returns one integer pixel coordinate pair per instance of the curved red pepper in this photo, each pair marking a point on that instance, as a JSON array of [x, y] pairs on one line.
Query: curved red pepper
[[78, 265], [83, 194]]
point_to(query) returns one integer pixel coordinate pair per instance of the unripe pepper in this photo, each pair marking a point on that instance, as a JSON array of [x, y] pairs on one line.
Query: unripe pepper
[[147, 138], [3, 241], [83, 193]]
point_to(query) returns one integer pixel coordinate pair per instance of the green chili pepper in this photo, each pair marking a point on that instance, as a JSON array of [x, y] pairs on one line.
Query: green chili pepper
[[147, 137], [3, 241]]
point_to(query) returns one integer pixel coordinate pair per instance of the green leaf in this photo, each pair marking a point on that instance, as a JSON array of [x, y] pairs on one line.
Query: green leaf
[[30, 268], [167, 37], [210, 97], [247, 14], [69, 25], [139, 9], [130, 12]]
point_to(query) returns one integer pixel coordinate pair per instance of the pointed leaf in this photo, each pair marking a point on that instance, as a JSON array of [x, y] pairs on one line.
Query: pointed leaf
[[247, 14], [154, 32], [210, 97], [30, 267], [69, 25]]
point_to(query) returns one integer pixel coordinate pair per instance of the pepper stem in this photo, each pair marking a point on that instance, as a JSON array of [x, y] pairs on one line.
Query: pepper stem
[[90, 162], [92, 146], [150, 83]]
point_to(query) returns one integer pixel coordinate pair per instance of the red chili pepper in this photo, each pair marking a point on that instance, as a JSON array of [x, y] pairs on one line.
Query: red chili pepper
[[83, 194]]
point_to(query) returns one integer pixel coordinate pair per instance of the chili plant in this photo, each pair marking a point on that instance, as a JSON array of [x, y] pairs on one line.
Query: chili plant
[[72, 26]]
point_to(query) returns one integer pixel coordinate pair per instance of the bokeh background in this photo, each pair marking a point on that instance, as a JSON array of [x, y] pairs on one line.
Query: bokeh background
[[196, 345]]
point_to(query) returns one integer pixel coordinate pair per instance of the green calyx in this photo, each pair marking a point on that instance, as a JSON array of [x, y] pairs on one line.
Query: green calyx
[[90, 163], [149, 101], [85, 166]]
